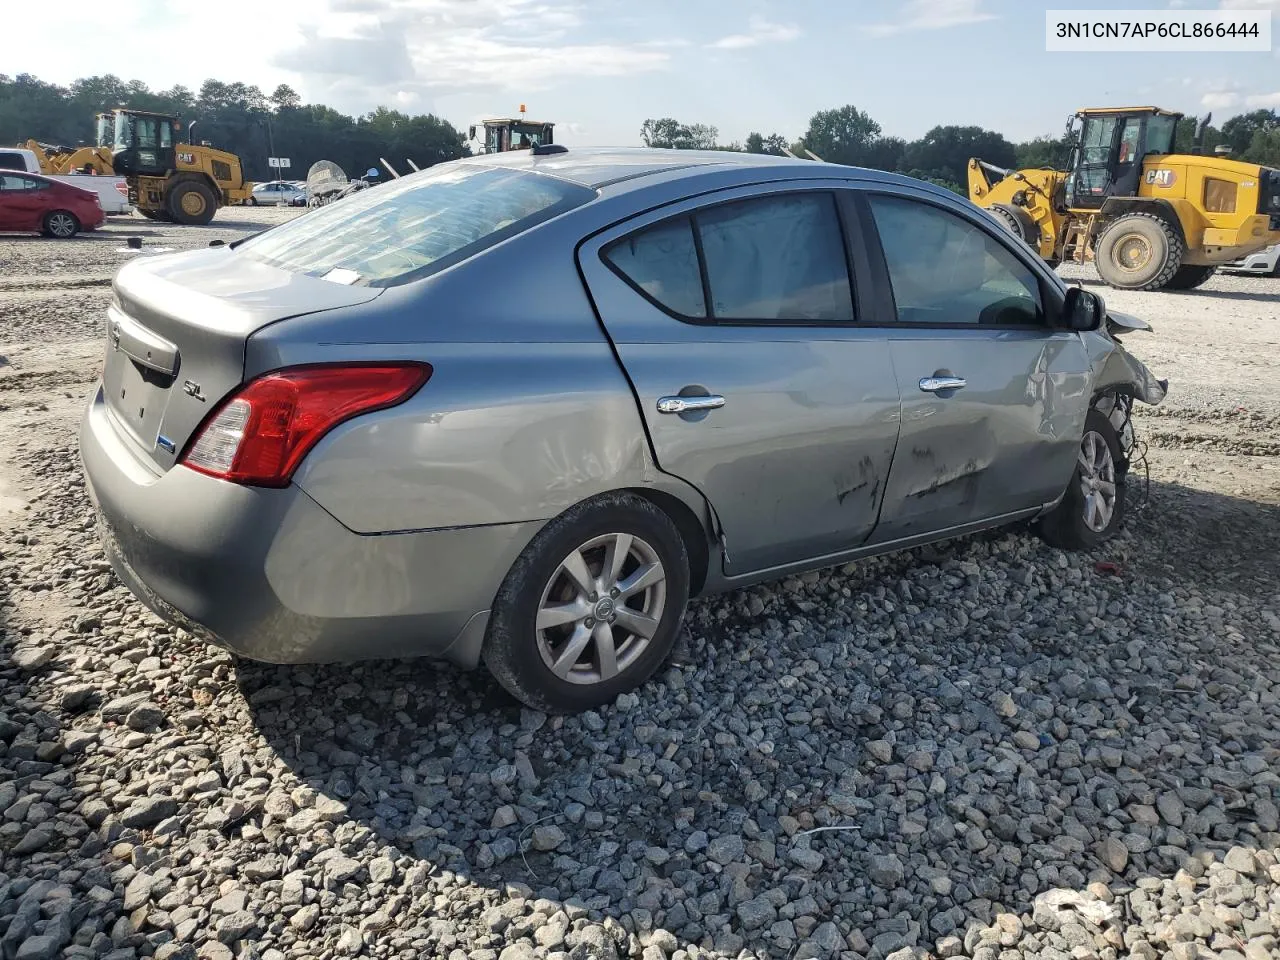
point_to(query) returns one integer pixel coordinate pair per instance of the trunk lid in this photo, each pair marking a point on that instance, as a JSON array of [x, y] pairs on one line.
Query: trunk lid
[[176, 333]]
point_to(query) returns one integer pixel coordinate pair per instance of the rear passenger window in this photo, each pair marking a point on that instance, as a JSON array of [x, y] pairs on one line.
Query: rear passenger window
[[776, 259], [663, 262], [945, 270]]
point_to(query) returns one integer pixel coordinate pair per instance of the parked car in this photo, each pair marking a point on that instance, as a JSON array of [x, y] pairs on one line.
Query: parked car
[[112, 191], [684, 372], [1266, 262], [30, 203], [278, 193]]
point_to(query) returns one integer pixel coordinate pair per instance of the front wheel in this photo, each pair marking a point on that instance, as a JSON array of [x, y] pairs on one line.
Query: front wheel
[[592, 606], [1190, 277], [1093, 508], [61, 225]]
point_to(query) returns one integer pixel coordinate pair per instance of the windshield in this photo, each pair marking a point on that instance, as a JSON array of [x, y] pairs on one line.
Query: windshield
[[145, 133], [406, 229], [105, 135]]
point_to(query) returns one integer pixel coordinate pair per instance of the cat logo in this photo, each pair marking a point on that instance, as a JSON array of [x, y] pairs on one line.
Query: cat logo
[[186, 158], [1161, 178]]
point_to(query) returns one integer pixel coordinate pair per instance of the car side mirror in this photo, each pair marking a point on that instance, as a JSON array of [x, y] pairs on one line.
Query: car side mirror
[[1083, 310]]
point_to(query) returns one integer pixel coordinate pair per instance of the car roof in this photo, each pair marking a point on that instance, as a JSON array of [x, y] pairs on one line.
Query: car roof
[[596, 167]]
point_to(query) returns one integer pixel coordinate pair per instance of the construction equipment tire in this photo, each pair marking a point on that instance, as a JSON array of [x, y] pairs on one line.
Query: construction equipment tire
[[1018, 223], [1139, 251], [1189, 277], [190, 202]]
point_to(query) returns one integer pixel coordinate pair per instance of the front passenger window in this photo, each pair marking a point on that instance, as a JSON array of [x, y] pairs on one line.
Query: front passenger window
[[947, 271]]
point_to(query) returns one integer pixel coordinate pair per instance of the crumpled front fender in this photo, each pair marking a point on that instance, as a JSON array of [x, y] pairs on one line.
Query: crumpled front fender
[[1114, 368]]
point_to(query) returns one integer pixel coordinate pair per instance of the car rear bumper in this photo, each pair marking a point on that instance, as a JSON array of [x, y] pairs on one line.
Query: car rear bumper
[[272, 576]]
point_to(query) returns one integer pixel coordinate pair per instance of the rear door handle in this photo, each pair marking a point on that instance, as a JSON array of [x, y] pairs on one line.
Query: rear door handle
[[688, 404], [938, 384]]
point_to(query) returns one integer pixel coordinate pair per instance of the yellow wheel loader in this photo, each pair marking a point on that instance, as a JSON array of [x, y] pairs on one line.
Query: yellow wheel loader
[[168, 180], [504, 134], [1148, 218]]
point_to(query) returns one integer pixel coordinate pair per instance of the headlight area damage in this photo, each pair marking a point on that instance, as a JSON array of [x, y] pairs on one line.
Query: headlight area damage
[[1121, 378]]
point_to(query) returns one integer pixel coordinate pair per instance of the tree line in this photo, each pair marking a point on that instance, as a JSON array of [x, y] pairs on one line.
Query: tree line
[[850, 136], [243, 120], [233, 117]]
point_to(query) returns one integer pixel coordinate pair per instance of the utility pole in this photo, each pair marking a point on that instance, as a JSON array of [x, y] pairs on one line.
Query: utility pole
[[271, 143]]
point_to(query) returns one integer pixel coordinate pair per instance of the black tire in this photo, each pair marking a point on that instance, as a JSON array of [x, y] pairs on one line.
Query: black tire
[[1190, 277], [181, 201], [158, 215], [1066, 525], [1019, 224], [1139, 251], [516, 652], [60, 224], [253, 201]]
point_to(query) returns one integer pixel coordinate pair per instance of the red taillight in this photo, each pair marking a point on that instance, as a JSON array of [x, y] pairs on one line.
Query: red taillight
[[260, 434]]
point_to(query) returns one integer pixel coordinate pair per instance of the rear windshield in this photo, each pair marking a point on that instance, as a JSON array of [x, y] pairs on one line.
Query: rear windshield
[[411, 227]]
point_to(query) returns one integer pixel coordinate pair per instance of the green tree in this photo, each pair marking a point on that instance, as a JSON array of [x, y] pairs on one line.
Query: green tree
[[1041, 152], [284, 97], [843, 135], [231, 116], [1184, 137], [885, 153], [1240, 130], [775, 144], [944, 152], [669, 133], [1264, 148]]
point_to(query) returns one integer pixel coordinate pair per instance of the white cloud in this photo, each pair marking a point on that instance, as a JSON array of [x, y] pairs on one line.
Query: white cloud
[[931, 15], [413, 49], [1220, 100], [759, 32], [1257, 101]]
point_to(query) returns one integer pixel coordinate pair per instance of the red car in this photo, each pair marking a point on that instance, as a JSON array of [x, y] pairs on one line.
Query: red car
[[30, 203]]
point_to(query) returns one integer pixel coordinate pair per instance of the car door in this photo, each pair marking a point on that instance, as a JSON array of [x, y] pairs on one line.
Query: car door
[[22, 202], [734, 320], [993, 396]]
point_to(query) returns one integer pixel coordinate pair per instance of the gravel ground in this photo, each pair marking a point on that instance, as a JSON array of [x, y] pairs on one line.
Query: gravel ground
[[987, 748]]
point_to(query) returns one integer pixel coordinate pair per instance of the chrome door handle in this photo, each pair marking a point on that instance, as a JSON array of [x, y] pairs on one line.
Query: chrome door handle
[[937, 384], [688, 404]]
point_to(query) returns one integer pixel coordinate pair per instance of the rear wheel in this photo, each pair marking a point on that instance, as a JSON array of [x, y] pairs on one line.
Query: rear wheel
[[61, 224], [1093, 508], [191, 202], [1139, 251], [591, 608], [1189, 277]]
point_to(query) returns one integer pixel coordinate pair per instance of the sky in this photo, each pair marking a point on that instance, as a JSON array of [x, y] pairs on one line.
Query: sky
[[599, 69]]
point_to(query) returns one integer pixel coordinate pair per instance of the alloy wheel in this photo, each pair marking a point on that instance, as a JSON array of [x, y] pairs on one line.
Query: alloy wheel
[[601, 608], [1097, 481], [62, 225]]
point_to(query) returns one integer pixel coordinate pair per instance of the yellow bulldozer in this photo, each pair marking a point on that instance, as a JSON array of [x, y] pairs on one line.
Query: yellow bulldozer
[[1146, 217], [168, 180]]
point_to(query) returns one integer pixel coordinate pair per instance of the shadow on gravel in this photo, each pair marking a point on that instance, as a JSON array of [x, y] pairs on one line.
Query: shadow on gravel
[[1260, 296], [867, 759]]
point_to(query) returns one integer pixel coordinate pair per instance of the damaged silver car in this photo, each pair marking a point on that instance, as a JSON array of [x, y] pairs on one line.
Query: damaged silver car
[[518, 409]]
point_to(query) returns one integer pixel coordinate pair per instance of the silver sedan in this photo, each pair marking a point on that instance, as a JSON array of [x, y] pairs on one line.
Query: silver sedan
[[518, 409]]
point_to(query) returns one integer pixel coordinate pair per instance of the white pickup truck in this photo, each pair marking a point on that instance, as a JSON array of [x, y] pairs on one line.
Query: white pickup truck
[[113, 192]]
